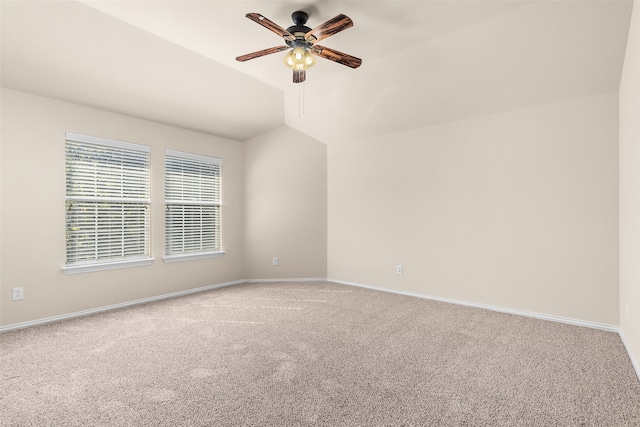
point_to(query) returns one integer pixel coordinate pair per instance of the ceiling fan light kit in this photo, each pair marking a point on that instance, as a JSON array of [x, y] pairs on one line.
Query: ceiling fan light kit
[[299, 59], [300, 41]]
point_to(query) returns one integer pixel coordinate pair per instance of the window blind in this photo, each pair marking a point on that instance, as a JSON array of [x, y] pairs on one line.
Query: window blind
[[193, 211], [107, 200]]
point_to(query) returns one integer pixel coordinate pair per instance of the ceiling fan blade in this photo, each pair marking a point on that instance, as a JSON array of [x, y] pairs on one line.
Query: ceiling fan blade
[[260, 53], [329, 28], [336, 56], [272, 26], [299, 76]]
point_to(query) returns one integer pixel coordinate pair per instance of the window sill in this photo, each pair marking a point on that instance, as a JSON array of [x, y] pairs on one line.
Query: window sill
[[88, 268], [190, 257]]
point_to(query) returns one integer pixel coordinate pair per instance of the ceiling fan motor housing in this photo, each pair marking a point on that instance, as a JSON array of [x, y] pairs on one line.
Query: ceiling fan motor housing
[[299, 18]]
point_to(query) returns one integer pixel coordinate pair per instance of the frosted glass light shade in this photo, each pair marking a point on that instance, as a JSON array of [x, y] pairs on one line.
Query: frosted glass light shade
[[299, 59]]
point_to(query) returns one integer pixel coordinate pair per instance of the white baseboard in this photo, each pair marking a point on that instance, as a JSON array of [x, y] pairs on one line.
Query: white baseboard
[[116, 306], [612, 328], [569, 321], [316, 279], [594, 325], [147, 300], [634, 362]]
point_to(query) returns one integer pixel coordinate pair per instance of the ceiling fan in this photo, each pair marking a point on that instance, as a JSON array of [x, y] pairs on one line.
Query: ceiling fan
[[301, 40]]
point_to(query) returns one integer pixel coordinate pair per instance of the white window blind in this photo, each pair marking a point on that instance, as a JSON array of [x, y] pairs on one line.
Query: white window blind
[[193, 210], [107, 200]]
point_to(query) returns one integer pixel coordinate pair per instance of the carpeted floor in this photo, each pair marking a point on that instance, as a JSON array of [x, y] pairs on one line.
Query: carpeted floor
[[297, 354]]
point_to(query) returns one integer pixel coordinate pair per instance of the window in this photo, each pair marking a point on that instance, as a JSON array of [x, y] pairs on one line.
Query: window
[[192, 206], [107, 204]]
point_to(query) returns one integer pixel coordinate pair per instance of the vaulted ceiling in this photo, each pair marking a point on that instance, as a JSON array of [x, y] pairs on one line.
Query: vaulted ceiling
[[424, 62]]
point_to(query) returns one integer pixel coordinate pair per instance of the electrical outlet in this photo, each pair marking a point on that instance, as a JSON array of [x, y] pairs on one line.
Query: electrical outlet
[[399, 269], [18, 294], [276, 261]]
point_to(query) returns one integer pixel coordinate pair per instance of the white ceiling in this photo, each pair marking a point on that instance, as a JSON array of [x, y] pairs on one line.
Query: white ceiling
[[424, 62]]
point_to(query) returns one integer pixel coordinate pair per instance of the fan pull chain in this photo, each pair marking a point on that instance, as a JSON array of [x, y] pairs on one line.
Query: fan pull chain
[[301, 100]]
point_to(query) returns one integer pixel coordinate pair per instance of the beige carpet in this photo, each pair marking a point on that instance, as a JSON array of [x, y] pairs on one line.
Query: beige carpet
[[296, 354]]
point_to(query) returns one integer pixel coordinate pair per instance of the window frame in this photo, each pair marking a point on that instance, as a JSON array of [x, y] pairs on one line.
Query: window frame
[[170, 200], [114, 262]]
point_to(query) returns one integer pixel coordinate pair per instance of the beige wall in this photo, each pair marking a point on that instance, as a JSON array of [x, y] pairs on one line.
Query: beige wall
[[33, 190], [630, 192], [515, 210], [285, 214], [285, 206]]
